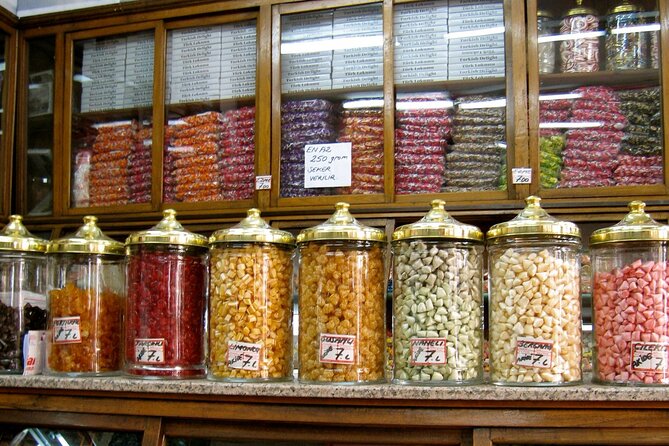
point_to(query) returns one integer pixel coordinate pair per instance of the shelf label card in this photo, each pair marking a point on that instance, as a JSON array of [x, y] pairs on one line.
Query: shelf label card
[[66, 330], [337, 349], [649, 356], [150, 351], [263, 182], [243, 355], [521, 175], [533, 352], [327, 165], [427, 351]]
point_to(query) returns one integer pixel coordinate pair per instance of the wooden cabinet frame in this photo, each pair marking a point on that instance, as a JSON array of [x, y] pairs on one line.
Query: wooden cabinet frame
[[7, 26]]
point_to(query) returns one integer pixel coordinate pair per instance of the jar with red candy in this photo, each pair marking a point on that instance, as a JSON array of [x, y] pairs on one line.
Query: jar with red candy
[[165, 311], [629, 300]]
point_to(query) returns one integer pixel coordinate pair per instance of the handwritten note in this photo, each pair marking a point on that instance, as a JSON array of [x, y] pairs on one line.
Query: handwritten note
[[337, 349], [532, 352], [327, 165], [649, 356], [66, 330]]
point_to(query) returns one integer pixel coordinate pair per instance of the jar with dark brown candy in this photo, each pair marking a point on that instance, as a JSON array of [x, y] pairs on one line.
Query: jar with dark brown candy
[[251, 302], [580, 53], [22, 291], [342, 291], [625, 50], [165, 312], [86, 283]]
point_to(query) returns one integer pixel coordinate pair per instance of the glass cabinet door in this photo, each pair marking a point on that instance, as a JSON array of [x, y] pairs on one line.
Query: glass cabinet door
[[111, 123], [332, 126], [5, 152], [599, 97], [450, 105], [210, 148], [39, 132]]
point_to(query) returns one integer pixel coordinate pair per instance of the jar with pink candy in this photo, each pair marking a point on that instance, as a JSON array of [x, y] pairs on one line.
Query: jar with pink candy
[[630, 300], [580, 53]]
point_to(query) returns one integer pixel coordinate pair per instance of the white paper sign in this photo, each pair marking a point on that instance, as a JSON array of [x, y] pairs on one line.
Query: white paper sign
[[521, 175], [533, 352], [337, 349], [150, 351], [327, 165], [649, 356], [66, 330], [244, 355], [428, 351], [263, 182]]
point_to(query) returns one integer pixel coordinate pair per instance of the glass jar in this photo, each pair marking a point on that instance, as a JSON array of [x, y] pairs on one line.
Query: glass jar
[[22, 291], [86, 283], [625, 50], [342, 279], [251, 302], [438, 301], [167, 290], [546, 50], [629, 300], [581, 53], [535, 305], [654, 44]]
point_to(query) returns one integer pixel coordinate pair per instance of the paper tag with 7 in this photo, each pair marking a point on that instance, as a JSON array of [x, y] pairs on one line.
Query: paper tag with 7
[[66, 330], [243, 355], [649, 356], [428, 351], [150, 351], [532, 352], [337, 349]]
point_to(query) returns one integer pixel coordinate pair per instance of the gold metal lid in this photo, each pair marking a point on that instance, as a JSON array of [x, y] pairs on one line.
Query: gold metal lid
[[579, 9], [88, 239], [252, 229], [534, 220], [167, 232], [438, 224], [341, 226], [625, 7], [637, 226], [544, 14], [15, 237]]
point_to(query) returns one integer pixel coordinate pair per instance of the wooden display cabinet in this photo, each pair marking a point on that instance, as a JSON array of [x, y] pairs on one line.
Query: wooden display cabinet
[[8, 47]]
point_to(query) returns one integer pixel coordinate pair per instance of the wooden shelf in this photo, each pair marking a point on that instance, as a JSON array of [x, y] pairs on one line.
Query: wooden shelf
[[627, 79], [458, 87]]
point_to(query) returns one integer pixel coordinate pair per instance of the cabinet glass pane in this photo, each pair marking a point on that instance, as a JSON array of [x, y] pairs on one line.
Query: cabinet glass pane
[[39, 187], [210, 135], [3, 184], [450, 117], [332, 102], [33, 436], [112, 93], [600, 119]]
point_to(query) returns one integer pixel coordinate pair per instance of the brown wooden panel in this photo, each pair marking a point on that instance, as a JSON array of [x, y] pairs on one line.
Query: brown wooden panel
[[604, 435], [73, 420]]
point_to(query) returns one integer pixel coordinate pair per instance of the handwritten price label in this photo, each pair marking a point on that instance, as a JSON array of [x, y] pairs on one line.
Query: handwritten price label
[[66, 330], [263, 182], [150, 351], [327, 165], [243, 355], [532, 352], [427, 351], [337, 349], [649, 356], [521, 175]]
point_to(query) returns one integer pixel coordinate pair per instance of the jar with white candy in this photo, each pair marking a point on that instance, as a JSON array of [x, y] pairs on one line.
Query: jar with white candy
[[438, 304], [535, 306]]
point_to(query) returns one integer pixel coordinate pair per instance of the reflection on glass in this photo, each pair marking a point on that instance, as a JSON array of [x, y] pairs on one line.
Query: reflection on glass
[[332, 144], [607, 132], [56, 437], [112, 88], [210, 134], [39, 179]]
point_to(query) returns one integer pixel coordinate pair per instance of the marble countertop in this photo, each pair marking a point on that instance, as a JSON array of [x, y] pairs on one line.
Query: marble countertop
[[483, 392]]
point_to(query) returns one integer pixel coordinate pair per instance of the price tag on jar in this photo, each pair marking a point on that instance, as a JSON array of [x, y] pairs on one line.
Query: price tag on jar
[[66, 330], [150, 351], [649, 356], [263, 182], [521, 175], [427, 351], [243, 355], [532, 352], [337, 349]]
